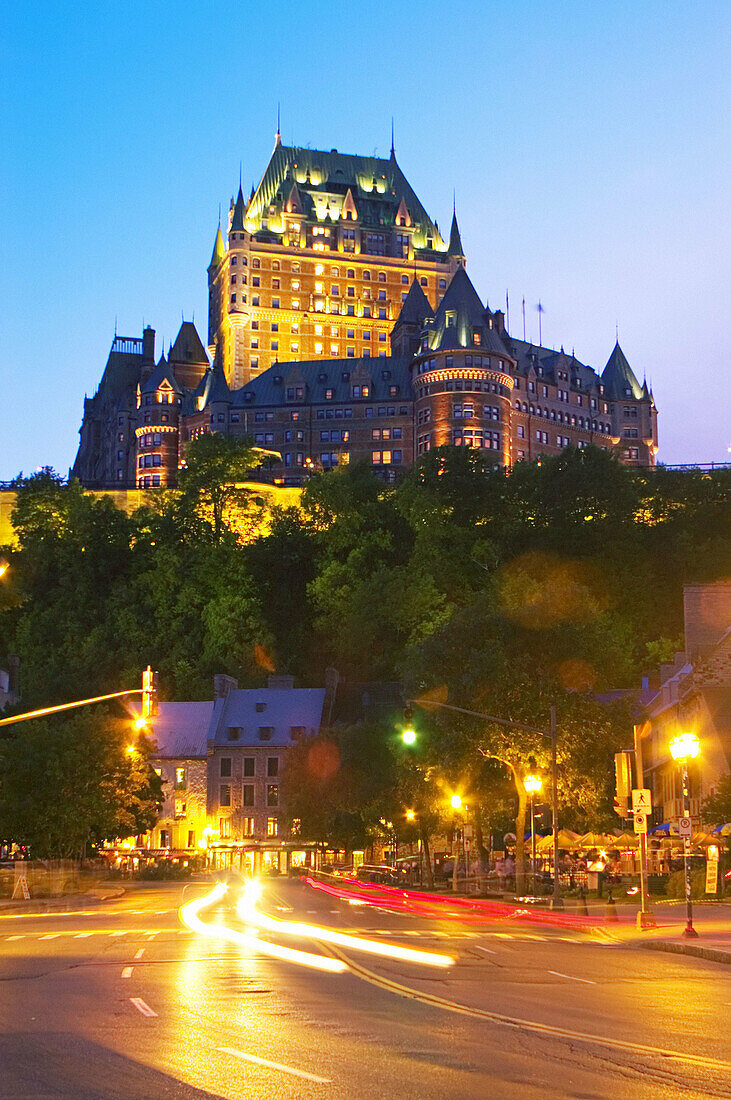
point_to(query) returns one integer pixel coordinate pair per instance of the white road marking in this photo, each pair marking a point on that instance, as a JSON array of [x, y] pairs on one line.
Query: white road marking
[[571, 977], [127, 971], [117, 933], [142, 1006], [275, 1065], [487, 950], [83, 935], [140, 953], [150, 935], [14, 938], [51, 936]]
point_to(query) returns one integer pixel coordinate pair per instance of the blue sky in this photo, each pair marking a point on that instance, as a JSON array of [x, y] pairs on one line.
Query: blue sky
[[588, 145]]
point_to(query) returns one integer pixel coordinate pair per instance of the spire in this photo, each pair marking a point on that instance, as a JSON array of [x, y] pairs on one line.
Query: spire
[[278, 135], [393, 148], [237, 221], [455, 241]]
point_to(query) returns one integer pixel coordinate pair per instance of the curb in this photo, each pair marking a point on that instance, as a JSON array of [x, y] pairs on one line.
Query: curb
[[67, 902], [712, 954]]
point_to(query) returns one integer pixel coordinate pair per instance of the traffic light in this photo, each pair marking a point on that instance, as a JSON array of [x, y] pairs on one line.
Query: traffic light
[[623, 777], [408, 734], [149, 693]]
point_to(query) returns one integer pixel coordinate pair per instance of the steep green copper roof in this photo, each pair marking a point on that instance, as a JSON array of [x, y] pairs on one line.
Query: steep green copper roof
[[237, 222], [618, 376], [377, 185], [416, 307], [455, 241], [219, 250]]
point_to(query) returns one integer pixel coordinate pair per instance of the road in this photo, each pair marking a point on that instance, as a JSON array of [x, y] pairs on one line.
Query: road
[[121, 1000]]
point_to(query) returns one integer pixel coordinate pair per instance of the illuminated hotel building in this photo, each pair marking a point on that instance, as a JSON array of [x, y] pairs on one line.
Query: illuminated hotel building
[[343, 327]]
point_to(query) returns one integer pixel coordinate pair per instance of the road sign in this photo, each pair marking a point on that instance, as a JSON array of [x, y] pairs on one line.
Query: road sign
[[685, 826], [712, 876], [640, 821], [642, 800]]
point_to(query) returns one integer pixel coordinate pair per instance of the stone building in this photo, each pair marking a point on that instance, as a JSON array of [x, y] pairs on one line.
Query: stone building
[[343, 327], [694, 696]]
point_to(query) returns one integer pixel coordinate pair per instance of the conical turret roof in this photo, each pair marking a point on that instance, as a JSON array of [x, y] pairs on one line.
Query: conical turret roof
[[237, 221], [455, 240], [219, 250], [416, 307], [618, 377], [462, 320]]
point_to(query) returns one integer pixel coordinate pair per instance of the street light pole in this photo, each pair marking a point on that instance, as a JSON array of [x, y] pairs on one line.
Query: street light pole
[[682, 748]]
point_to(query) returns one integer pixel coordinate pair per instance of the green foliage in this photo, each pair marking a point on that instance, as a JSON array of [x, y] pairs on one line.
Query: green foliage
[[67, 783], [212, 475], [717, 807]]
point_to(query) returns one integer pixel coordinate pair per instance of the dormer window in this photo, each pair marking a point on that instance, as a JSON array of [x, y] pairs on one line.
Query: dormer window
[[451, 320], [476, 338]]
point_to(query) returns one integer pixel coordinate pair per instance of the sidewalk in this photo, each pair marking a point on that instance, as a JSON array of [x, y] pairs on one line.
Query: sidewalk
[[65, 902], [713, 948]]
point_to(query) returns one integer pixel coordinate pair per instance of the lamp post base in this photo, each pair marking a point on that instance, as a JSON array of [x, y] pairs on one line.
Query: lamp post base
[[645, 920], [689, 932]]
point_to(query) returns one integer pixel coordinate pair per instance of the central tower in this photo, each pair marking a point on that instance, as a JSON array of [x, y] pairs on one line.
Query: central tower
[[318, 262]]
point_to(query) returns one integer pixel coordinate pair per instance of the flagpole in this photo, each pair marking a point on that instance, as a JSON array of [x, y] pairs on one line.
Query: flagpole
[[524, 320]]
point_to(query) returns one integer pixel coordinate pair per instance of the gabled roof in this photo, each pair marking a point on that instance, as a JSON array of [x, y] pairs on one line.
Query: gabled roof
[[219, 249], [237, 221], [377, 186], [188, 347], [161, 374], [416, 307], [180, 730], [283, 708], [618, 376], [331, 375]]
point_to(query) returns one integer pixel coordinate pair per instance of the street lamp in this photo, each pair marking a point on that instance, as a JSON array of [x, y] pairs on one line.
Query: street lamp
[[409, 737], [456, 803], [411, 815], [683, 748], [140, 722], [533, 784]]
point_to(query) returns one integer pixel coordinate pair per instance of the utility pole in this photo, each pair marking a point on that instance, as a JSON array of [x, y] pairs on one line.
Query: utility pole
[[645, 918]]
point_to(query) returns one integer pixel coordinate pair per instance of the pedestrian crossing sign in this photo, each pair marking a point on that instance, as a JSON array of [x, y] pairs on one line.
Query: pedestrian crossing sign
[[642, 801]]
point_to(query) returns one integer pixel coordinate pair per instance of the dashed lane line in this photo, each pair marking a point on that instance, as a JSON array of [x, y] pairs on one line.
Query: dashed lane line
[[140, 953], [142, 1006], [571, 977], [9, 938], [257, 1061], [487, 950], [127, 971], [51, 936], [82, 935]]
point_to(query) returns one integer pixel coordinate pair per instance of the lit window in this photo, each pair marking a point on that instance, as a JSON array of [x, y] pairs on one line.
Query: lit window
[[272, 826]]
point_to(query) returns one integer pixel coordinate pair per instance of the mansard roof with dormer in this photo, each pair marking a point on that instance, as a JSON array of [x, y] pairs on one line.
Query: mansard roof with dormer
[[620, 381], [162, 378], [376, 185], [462, 321], [328, 382]]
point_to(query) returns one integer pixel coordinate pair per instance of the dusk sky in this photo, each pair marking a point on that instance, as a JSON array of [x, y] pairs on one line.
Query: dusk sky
[[587, 143]]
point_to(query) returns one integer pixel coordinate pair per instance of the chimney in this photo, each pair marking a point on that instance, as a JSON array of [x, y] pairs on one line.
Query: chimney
[[280, 683], [707, 616], [499, 321], [223, 685], [148, 345]]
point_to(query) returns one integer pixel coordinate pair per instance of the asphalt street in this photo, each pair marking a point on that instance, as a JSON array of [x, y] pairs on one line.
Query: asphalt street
[[121, 1000]]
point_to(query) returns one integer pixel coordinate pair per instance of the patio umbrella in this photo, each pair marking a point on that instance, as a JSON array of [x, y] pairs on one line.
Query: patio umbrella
[[626, 840], [566, 839], [596, 840], [723, 830]]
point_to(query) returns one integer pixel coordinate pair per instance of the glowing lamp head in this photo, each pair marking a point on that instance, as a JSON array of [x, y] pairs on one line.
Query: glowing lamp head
[[410, 815], [140, 722], [3, 568], [130, 750], [409, 737], [455, 801], [532, 783], [685, 746]]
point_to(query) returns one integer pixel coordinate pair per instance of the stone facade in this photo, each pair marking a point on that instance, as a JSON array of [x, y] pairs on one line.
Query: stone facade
[[343, 327]]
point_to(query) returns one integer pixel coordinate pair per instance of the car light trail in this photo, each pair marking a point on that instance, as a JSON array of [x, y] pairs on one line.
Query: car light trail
[[189, 917], [248, 912]]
